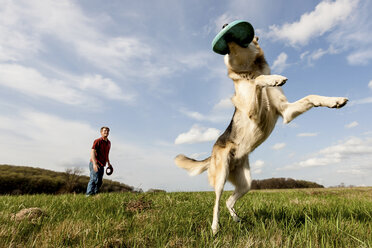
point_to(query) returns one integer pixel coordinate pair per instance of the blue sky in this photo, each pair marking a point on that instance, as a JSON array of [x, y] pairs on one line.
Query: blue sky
[[146, 69]]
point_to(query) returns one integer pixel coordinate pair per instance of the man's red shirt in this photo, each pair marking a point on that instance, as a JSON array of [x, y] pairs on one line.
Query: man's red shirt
[[102, 149]]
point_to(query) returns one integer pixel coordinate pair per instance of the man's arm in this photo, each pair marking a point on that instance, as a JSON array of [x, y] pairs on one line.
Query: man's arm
[[94, 159], [108, 162], [108, 157]]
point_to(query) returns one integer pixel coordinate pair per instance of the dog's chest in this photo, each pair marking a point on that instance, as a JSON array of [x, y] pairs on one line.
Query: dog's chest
[[246, 134], [245, 94], [253, 121]]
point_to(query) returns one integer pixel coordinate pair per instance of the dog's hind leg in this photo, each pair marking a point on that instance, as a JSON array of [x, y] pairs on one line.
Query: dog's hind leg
[[289, 111], [221, 163], [241, 178]]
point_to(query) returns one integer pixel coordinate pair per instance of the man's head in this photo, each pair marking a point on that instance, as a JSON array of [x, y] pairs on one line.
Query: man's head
[[105, 132]]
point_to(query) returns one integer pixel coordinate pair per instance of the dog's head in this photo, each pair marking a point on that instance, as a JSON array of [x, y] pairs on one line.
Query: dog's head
[[246, 60]]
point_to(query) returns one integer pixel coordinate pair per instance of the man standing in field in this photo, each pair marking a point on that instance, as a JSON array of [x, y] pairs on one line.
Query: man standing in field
[[99, 156]]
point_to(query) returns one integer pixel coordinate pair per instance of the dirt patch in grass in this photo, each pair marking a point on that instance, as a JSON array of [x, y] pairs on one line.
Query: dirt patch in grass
[[179, 242], [138, 205], [114, 242]]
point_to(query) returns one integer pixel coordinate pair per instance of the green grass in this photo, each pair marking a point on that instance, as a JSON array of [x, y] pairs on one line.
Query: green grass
[[273, 218]]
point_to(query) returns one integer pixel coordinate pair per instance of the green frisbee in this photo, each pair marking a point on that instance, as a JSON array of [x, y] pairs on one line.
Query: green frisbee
[[239, 31]]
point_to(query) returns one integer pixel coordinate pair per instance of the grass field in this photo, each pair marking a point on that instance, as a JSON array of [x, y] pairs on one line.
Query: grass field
[[273, 218]]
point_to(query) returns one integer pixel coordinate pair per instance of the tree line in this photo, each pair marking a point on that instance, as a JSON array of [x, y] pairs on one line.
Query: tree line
[[283, 183], [28, 180]]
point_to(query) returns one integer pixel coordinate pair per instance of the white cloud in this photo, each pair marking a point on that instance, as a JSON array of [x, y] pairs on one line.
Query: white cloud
[[324, 18], [121, 56], [224, 104], [307, 134], [361, 101], [30, 82], [193, 114], [353, 36], [317, 54], [350, 152], [278, 146], [351, 172], [70, 90], [352, 124], [312, 162], [27, 26], [29, 20], [217, 114], [222, 20], [291, 155], [197, 134], [360, 57], [304, 55], [15, 45], [104, 86], [35, 138], [280, 64], [196, 60], [257, 166], [15, 40], [352, 146]]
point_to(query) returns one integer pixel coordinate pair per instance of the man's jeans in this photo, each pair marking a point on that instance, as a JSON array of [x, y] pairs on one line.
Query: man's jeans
[[95, 181]]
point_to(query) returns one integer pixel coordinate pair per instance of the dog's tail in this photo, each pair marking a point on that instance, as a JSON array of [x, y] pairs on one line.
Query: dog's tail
[[194, 167]]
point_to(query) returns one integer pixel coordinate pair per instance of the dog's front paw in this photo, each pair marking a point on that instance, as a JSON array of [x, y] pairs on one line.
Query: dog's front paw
[[276, 80], [339, 102]]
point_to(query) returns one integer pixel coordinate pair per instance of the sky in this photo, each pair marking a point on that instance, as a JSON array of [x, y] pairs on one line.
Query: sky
[[147, 70]]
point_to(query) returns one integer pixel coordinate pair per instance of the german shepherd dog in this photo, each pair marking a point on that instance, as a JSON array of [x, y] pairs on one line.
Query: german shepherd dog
[[259, 101]]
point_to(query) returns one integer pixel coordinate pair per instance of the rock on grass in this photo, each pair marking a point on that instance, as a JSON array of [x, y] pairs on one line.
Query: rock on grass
[[30, 214]]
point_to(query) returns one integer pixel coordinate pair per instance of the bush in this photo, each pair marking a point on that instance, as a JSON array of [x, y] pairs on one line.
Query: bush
[[28, 180]]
